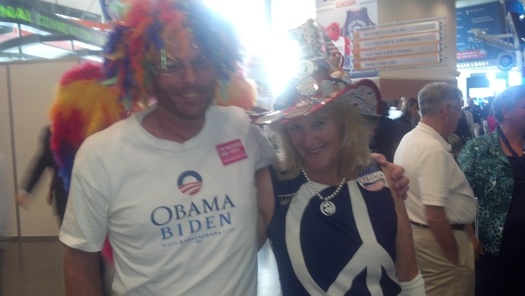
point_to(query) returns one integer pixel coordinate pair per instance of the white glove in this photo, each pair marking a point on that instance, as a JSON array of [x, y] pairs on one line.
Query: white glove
[[414, 287]]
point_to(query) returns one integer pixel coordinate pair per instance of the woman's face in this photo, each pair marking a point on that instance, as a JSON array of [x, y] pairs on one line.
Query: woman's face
[[414, 110], [516, 116], [318, 140]]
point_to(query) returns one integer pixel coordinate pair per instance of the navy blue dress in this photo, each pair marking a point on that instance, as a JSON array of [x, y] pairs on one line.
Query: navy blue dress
[[351, 252]]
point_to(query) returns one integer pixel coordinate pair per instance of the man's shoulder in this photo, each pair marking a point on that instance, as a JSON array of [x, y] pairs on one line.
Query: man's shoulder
[[227, 112], [109, 135], [418, 144], [228, 117], [114, 129], [417, 135]]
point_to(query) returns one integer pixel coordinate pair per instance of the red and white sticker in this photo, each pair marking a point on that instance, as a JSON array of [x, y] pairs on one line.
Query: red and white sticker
[[231, 152], [372, 181]]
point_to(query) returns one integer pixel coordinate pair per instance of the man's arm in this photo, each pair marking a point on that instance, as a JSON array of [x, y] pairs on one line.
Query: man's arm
[[82, 273], [440, 226]]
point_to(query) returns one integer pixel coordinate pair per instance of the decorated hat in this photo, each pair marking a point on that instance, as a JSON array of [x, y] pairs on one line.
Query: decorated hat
[[320, 80]]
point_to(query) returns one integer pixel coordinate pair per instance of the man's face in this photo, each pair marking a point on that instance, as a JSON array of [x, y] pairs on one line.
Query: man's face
[[454, 112], [414, 110], [185, 87], [515, 116]]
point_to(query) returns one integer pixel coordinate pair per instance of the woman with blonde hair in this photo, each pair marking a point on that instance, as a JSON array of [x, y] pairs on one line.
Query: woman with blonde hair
[[327, 207]]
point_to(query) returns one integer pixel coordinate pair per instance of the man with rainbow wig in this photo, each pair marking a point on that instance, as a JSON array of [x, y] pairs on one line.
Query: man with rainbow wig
[[172, 186]]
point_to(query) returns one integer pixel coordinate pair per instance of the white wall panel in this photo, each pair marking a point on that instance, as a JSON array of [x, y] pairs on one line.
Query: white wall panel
[[32, 86], [6, 144]]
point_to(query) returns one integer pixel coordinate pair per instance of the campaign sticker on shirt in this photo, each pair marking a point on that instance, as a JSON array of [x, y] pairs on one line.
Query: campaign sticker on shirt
[[231, 152], [372, 179]]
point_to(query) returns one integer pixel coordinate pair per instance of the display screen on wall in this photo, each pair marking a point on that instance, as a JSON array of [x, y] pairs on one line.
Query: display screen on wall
[[472, 52]]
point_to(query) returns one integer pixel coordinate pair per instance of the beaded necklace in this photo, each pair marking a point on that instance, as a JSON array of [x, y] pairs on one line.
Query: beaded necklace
[[327, 207]]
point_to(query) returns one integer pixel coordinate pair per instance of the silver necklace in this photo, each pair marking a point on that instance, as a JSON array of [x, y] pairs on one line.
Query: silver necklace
[[327, 207]]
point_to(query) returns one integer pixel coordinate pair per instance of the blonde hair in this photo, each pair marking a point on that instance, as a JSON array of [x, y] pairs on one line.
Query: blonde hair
[[354, 152]]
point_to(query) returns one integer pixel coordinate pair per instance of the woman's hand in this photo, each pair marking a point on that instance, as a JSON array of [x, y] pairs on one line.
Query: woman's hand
[[23, 198]]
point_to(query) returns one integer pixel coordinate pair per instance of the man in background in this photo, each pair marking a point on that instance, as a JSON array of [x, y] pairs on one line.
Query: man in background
[[440, 203]]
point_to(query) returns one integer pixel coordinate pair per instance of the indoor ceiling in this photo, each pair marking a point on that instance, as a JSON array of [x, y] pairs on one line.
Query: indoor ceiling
[[92, 6], [27, 42]]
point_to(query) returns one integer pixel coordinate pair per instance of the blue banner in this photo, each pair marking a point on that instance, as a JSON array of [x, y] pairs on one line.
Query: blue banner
[[472, 52]]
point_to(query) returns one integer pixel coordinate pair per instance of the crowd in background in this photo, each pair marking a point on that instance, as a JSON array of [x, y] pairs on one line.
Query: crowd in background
[[482, 144], [477, 119]]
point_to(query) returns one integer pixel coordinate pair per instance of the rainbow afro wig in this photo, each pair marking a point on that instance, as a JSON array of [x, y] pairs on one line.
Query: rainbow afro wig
[[147, 31]]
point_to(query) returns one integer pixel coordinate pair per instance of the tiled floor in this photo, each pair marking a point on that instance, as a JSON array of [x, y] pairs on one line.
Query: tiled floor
[[35, 269]]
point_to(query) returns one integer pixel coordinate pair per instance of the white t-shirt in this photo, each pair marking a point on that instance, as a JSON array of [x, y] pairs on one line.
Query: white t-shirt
[[181, 218], [435, 177]]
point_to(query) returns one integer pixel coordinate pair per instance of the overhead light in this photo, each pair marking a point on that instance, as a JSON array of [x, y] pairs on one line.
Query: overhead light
[[66, 16], [40, 50], [81, 45], [98, 59]]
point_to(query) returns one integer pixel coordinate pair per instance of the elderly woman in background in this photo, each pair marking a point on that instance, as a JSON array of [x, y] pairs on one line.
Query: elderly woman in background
[[494, 165], [409, 114]]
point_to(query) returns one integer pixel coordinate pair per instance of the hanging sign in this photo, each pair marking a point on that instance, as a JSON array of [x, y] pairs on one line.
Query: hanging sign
[[397, 51], [399, 62], [395, 46], [396, 41], [394, 30]]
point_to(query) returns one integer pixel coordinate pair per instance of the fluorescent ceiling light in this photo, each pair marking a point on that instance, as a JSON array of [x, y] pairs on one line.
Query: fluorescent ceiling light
[[81, 45], [39, 50], [47, 47], [93, 58]]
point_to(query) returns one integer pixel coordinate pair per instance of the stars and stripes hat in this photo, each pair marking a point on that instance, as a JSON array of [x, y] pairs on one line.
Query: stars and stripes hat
[[320, 80]]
